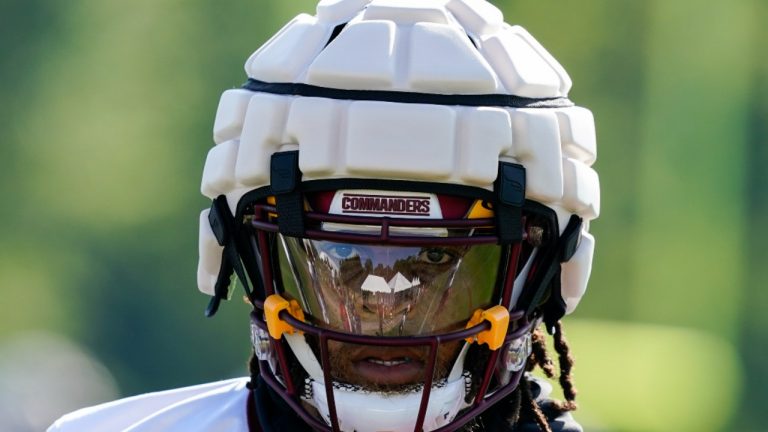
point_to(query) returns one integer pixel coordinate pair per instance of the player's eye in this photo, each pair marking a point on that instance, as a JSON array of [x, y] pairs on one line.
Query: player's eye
[[343, 252], [436, 256]]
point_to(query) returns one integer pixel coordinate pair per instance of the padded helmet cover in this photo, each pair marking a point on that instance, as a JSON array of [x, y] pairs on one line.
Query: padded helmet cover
[[455, 47]]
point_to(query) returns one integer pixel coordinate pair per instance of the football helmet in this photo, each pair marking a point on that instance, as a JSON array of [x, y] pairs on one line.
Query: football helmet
[[404, 191]]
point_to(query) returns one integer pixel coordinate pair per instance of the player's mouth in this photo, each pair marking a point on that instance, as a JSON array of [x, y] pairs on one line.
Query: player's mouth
[[388, 366]]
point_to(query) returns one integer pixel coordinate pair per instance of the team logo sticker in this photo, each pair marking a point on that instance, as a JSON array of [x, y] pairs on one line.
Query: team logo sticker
[[385, 203]]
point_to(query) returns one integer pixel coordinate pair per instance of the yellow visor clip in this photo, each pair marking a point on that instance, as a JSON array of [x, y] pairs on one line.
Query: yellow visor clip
[[494, 337], [275, 304]]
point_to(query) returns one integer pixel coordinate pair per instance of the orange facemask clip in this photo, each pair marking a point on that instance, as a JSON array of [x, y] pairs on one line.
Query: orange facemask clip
[[494, 337], [275, 304]]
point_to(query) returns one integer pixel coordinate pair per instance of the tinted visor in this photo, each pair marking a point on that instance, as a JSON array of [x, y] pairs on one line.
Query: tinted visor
[[382, 290]]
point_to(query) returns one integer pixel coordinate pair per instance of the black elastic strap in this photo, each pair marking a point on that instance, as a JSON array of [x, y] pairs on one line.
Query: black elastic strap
[[252, 264], [221, 288], [496, 100], [546, 280], [510, 191], [224, 227], [285, 181]]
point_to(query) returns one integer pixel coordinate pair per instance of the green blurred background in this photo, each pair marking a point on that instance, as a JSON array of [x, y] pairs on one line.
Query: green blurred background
[[106, 110]]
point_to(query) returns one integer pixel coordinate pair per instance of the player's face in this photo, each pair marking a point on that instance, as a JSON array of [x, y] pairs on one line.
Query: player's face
[[377, 290]]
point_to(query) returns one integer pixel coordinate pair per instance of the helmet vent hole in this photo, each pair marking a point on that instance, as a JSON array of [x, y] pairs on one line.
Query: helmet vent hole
[[336, 31], [472, 40]]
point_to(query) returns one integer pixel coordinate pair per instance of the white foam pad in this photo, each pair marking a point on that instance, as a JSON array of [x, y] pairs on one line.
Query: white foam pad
[[575, 273], [407, 12], [478, 17], [443, 60], [210, 256], [233, 197], [219, 170], [577, 130], [314, 123], [565, 79], [581, 194], [266, 44], [339, 11], [400, 140], [229, 115], [361, 57], [563, 216], [484, 134], [206, 282], [536, 138], [262, 135], [521, 68], [286, 56]]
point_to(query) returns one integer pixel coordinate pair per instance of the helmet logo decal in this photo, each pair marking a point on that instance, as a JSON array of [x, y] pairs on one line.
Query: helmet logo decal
[[385, 204], [377, 203]]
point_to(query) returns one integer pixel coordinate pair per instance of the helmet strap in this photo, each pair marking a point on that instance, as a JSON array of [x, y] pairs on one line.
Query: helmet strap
[[510, 191], [224, 227], [544, 288], [285, 178]]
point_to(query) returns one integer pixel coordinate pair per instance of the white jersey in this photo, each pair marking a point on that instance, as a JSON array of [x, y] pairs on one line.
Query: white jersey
[[215, 407]]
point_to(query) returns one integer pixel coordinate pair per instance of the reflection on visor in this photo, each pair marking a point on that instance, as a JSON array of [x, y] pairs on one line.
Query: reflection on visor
[[388, 290]]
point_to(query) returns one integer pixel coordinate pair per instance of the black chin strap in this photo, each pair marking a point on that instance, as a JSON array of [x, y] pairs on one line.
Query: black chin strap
[[544, 288], [224, 228]]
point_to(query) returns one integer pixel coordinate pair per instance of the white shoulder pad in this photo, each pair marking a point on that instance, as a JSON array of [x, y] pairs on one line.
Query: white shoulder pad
[[208, 407]]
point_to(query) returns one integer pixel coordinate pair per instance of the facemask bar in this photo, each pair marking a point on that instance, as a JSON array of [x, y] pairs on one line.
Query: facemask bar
[[325, 335], [521, 325], [385, 236]]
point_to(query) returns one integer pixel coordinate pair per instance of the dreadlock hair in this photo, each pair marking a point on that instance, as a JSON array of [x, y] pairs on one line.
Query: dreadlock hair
[[520, 406], [253, 369], [565, 359], [534, 410]]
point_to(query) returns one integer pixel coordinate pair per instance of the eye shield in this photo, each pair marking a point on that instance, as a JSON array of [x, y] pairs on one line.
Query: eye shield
[[384, 290]]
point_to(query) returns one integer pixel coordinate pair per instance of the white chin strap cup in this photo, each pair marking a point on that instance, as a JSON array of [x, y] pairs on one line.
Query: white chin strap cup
[[379, 412]]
